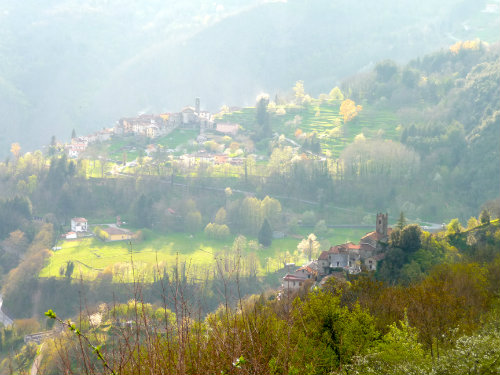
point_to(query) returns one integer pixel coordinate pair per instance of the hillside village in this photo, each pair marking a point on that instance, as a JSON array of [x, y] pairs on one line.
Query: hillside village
[[153, 126], [347, 258]]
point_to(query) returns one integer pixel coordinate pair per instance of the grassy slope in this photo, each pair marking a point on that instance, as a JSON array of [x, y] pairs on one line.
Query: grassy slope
[[92, 256], [322, 118]]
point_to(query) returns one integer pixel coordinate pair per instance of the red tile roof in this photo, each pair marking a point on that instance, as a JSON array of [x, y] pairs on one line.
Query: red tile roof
[[293, 278], [351, 246], [375, 236], [323, 255], [79, 220], [307, 268], [113, 230]]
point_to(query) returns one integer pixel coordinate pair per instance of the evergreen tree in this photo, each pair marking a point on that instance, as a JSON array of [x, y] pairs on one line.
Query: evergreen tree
[[265, 234], [401, 221], [264, 129], [52, 146], [70, 266]]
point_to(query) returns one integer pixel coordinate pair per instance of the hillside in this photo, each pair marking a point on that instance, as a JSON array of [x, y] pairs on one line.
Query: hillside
[[67, 64]]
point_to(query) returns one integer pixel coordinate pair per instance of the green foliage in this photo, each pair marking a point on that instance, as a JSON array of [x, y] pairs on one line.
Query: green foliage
[[454, 226], [193, 221], [336, 94], [484, 217], [217, 231], [142, 211], [473, 354], [14, 213], [398, 352], [328, 334], [472, 223], [386, 70], [99, 232]]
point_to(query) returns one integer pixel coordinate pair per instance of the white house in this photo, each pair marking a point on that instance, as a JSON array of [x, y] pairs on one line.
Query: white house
[[79, 224]]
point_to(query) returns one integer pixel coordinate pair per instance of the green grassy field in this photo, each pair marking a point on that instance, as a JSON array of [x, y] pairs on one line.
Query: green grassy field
[[92, 256], [177, 138], [322, 118]]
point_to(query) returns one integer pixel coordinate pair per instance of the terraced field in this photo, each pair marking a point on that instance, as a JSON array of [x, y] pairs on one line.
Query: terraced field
[[323, 119]]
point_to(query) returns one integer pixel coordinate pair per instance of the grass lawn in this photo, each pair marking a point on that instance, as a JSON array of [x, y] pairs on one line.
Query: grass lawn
[[176, 138], [92, 256]]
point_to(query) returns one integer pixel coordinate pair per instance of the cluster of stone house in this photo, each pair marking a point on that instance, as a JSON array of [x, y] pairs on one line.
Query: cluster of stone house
[[153, 126], [150, 126], [349, 257], [80, 144]]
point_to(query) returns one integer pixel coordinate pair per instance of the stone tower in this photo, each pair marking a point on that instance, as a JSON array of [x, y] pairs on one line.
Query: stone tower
[[197, 105], [381, 224]]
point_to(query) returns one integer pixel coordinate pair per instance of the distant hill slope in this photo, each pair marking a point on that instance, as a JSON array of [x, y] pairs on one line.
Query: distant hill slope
[[68, 64]]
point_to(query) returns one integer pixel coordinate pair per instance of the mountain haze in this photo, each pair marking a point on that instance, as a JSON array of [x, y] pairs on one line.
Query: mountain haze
[[82, 65]]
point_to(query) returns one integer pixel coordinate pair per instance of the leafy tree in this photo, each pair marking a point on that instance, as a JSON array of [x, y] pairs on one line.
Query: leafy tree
[[391, 265], [320, 228], [239, 244], [329, 334], [271, 209], [217, 231], [473, 354], [411, 238], [399, 352], [308, 218], [454, 227], [250, 215], [73, 134], [143, 212], [349, 110], [410, 77], [193, 221], [15, 148], [386, 70], [265, 234], [220, 216], [336, 94], [453, 296], [472, 223], [484, 217], [309, 245], [299, 91]]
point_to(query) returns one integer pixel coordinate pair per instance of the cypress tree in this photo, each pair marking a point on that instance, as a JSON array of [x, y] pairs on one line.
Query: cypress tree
[[265, 234]]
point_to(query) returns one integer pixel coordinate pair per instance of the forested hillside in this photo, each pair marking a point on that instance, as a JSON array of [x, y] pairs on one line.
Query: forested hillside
[[448, 109], [68, 64]]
